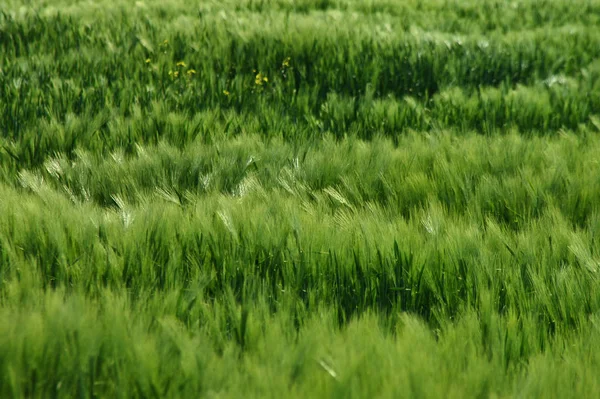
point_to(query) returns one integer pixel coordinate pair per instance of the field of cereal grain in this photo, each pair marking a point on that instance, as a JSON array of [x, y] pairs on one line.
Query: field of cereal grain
[[299, 198]]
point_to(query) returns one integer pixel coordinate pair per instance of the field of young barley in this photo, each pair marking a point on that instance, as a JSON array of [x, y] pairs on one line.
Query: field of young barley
[[299, 198]]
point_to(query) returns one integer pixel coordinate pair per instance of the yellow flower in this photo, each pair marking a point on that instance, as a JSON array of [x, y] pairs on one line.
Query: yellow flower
[[181, 64], [176, 74], [260, 78], [191, 72], [148, 60], [226, 93], [286, 62]]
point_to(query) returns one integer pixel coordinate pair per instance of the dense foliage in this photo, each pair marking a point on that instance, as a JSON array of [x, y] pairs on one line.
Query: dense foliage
[[299, 198]]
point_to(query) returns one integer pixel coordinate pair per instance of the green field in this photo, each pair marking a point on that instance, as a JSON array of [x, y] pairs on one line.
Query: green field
[[300, 198]]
